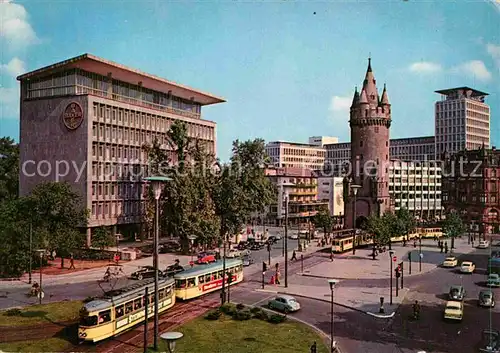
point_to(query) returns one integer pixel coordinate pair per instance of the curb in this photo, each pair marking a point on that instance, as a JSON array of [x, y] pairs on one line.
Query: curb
[[304, 274]]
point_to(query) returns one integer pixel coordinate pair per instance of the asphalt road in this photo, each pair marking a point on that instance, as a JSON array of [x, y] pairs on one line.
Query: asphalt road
[[276, 250]]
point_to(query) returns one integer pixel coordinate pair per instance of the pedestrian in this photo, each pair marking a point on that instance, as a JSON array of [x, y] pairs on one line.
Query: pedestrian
[[331, 256], [72, 262], [314, 348], [446, 247], [277, 278], [116, 258], [294, 256], [54, 254]]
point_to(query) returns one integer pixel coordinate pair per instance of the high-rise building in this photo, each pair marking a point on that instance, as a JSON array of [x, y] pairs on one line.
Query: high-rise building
[[85, 121], [296, 155], [462, 120], [322, 140], [370, 121]]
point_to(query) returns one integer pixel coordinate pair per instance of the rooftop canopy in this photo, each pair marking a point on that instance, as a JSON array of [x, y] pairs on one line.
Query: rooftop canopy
[[452, 91]]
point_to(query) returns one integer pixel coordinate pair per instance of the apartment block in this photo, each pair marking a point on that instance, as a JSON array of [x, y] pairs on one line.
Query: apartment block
[[296, 155], [462, 120], [97, 116]]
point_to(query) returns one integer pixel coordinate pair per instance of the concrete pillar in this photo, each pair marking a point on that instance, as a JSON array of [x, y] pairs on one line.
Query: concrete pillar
[[110, 85], [89, 237]]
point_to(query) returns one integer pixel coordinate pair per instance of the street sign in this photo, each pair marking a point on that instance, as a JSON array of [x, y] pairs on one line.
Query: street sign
[[394, 258]]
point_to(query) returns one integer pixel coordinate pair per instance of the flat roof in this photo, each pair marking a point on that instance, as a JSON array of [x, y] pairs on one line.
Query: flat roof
[[475, 92], [92, 63], [297, 144]]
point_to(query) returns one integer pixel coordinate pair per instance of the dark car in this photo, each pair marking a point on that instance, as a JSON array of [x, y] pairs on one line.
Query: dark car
[[490, 342], [257, 246], [243, 245], [272, 240], [170, 247], [486, 298], [171, 270], [456, 293], [145, 272]]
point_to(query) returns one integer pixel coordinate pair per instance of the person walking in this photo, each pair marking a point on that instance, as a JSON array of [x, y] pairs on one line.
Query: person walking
[[294, 256], [72, 263]]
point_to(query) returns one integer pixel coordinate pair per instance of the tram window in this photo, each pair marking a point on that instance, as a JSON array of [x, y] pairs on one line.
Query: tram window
[[168, 291], [88, 320], [240, 268], [144, 301], [161, 293], [180, 283], [191, 282], [201, 279], [119, 311], [129, 307], [208, 278], [219, 275], [104, 316], [152, 299], [214, 276], [137, 304]]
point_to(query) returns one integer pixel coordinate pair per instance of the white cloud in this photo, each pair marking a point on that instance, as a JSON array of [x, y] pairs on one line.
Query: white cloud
[[13, 68], [15, 28], [494, 51], [425, 67], [475, 68], [340, 104], [9, 103], [339, 116]]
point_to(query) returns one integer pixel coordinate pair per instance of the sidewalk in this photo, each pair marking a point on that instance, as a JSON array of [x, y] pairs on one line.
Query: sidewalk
[[362, 266]]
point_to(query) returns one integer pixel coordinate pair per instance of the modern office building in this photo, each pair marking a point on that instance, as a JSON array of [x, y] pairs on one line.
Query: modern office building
[[296, 155], [416, 186], [331, 190], [462, 120], [322, 140], [97, 115], [471, 187], [300, 186]]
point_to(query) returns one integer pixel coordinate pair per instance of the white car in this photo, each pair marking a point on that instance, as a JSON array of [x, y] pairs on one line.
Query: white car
[[467, 267], [483, 244], [232, 253], [294, 236]]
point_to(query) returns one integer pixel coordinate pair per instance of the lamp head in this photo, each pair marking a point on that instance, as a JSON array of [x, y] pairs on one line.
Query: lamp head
[[355, 189], [391, 252], [157, 182], [332, 283]]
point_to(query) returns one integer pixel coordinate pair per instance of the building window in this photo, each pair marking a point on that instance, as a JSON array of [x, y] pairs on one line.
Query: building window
[[360, 143], [376, 129]]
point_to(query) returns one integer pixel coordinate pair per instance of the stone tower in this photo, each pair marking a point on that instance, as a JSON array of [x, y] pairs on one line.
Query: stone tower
[[370, 121]]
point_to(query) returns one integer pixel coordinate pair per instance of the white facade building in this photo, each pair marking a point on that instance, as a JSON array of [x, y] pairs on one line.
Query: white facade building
[[296, 155], [331, 189], [322, 140]]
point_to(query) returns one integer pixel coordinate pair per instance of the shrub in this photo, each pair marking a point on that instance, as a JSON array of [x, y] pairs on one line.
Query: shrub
[[228, 309], [242, 315], [261, 315], [255, 309], [240, 306], [276, 319], [213, 315], [13, 312]]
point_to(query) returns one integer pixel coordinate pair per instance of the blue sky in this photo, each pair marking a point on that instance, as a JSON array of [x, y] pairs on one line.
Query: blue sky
[[287, 69]]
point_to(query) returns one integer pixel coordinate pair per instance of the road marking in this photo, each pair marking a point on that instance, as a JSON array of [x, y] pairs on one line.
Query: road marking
[[260, 301]]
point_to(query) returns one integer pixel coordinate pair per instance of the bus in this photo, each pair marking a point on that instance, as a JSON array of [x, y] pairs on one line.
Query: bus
[[121, 309], [204, 279]]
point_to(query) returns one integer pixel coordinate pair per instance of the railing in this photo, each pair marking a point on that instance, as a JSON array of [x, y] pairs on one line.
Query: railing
[[96, 92]]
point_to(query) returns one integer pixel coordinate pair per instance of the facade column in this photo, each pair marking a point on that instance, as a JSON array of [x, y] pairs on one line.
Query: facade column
[[89, 237]]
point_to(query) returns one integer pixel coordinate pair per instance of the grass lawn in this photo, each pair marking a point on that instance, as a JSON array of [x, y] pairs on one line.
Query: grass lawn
[[40, 314], [253, 336], [46, 345]]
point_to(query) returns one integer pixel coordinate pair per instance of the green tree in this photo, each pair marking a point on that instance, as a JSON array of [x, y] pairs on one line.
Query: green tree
[[453, 227], [324, 220], [406, 222], [9, 169], [56, 212], [102, 238]]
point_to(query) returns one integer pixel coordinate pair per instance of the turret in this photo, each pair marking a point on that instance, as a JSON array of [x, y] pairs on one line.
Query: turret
[[369, 85], [355, 99], [385, 98], [363, 99]]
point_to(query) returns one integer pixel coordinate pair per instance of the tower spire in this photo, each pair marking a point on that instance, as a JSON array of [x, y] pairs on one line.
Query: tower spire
[[369, 85], [355, 99], [385, 98], [369, 64]]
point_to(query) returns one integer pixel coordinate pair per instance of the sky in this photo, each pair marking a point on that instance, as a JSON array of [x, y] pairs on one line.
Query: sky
[[287, 69]]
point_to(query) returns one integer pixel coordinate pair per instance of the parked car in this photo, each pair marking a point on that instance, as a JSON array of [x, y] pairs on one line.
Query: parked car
[[493, 280], [247, 260], [467, 267], [170, 247], [490, 342], [145, 272], [171, 270], [284, 303], [454, 310], [486, 298], [242, 245], [257, 246], [206, 258], [450, 262], [272, 240], [278, 237], [294, 236], [457, 293], [245, 252], [232, 253], [483, 244]]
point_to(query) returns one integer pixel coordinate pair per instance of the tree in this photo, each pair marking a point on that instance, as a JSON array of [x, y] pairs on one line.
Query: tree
[[9, 169], [453, 227], [380, 230], [56, 212], [324, 220], [102, 238], [406, 222]]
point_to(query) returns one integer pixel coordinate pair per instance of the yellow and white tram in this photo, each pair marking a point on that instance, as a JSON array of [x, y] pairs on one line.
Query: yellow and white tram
[[121, 309], [204, 279]]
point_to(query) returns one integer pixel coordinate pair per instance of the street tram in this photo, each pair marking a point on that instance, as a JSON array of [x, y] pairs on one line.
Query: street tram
[[342, 239], [201, 280], [121, 309]]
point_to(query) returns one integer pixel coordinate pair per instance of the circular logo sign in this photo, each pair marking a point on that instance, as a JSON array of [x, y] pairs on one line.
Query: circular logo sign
[[73, 116]]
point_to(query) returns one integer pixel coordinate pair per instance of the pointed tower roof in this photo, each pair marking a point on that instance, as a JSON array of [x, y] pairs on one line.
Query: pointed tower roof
[[363, 98], [369, 84], [385, 98], [355, 99]]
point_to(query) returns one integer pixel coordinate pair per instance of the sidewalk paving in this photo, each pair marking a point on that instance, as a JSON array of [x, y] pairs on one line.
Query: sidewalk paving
[[362, 266]]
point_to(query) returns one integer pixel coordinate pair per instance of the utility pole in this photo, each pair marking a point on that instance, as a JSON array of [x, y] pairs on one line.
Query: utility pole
[[31, 251], [286, 241]]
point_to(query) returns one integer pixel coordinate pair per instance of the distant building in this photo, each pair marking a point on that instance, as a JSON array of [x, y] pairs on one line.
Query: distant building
[[331, 189], [301, 188], [416, 186], [322, 140], [462, 120], [471, 187], [96, 115], [296, 155]]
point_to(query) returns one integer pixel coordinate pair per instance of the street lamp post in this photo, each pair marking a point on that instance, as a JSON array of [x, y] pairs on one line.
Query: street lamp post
[[420, 253], [171, 338], [31, 252], [191, 239], [391, 253], [40, 291], [157, 183], [286, 241], [354, 189], [332, 283]]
